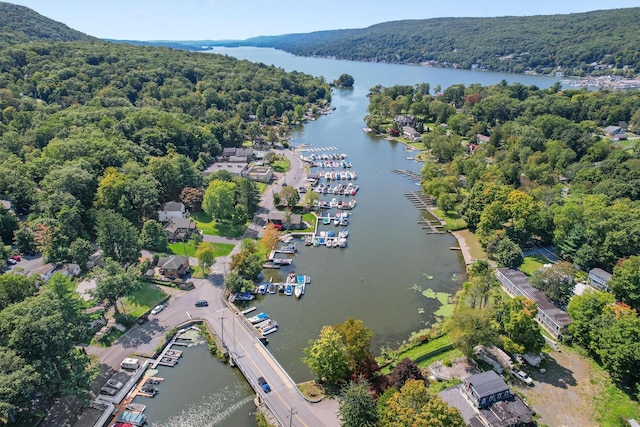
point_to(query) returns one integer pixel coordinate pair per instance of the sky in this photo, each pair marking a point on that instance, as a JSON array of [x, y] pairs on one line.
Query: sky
[[242, 19]]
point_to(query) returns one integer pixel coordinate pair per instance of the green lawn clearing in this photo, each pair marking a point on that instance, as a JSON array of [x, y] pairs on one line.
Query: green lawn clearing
[[532, 263], [453, 220], [187, 248], [281, 165], [207, 225], [136, 304]]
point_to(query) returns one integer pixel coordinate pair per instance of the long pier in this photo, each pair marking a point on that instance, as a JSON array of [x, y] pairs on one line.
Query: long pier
[[412, 175]]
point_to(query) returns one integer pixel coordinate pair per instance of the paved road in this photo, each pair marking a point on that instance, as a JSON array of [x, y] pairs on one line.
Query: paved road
[[253, 359]]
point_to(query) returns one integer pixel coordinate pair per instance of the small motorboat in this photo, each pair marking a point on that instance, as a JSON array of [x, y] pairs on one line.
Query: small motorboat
[[288, 290], [299, 291], [262, 289], [259, 318]]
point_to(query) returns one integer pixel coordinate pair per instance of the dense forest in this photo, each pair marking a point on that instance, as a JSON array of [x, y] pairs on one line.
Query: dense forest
[[542, 44], [94, 137]]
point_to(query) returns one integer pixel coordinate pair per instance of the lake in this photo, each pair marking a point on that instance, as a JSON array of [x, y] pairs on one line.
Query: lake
[[390, 258]]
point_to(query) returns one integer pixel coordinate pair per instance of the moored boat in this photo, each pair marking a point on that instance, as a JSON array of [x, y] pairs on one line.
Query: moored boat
[[259, 318], [271, 289], [288, 290], [299, 291], [270, 325]]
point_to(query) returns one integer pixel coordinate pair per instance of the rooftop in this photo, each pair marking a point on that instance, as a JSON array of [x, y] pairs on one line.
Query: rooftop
[[487, 383]]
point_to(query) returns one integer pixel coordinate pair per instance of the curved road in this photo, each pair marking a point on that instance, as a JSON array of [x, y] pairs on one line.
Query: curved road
[[254, 360]]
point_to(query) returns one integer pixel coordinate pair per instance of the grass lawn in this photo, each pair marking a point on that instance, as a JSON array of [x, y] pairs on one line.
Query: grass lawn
[[447, 355], [418, 351], [475, 248], [532, 263], [262, 187], [186, 248], [309, 218], [207, 225], [281, 165], [142, 300], [453, 220]]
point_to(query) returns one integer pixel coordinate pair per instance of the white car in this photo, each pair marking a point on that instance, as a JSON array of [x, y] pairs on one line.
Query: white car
[[157, 309], [522, 376]]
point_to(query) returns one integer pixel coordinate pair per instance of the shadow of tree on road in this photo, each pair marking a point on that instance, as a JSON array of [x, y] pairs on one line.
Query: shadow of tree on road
[[141, 335]]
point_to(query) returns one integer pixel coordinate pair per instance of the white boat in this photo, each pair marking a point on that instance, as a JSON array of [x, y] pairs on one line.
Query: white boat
[[261, 317], [262, 289], [271, 324], [342, 242], [329, 243], [344, 221], [270, 331], [299, 291], [344, 233]]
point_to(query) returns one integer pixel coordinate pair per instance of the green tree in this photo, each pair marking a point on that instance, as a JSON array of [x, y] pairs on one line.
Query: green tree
[[114, 282], [206, 254], [356, 405], [219, 200], [153, 236], [345, 80], [80, 251], [16, 287], [556, 281], [8, 225], [18, 380], [117, 237], [619, 349], [24, 239], [521, 332], [469, 328], [290, 196], [585, 311], [246, 262], [625, 281], [326, 356], [509, 254]]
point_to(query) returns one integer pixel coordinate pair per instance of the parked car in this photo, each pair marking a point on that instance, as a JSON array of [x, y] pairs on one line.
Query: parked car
[[15, 257], [114, 384], [264, 385], [202, 303], [11, 261], [157, 309], [108, 391], [522, 376]]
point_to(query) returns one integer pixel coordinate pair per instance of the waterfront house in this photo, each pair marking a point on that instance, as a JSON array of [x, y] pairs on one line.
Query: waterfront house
[[599, 278], [179, 229], [550, 317], [285, 219], [172, 210], [411, 134], [403, 121], [486, 400], [173, 266]]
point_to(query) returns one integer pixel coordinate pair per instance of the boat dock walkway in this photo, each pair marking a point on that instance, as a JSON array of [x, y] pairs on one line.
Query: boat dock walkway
[[412, 175], [420, 200]]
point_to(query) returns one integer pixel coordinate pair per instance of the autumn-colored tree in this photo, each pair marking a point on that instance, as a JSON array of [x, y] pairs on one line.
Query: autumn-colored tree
[[206, 254], [270, 237], [415, 406], [357, 343]]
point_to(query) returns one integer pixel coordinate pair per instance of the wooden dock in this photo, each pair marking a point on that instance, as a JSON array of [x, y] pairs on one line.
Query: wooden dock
[[420, 200], [432, 226], [412, 175]]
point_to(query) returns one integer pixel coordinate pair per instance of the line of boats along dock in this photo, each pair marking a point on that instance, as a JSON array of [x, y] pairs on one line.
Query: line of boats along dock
[[295, 284]]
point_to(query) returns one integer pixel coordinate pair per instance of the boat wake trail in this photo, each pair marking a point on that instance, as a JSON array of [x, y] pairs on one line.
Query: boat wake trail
[[211, 411]]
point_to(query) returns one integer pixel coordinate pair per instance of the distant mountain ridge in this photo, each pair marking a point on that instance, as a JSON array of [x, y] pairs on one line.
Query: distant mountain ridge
[[576, 42], [19, 24]]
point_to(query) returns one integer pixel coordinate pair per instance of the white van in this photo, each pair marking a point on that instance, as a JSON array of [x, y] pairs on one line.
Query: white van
[[130, 363]]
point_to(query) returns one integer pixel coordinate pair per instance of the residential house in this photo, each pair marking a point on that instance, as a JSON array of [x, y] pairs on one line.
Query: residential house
[[259, 173], [550, 317], [172, 210], [71, 270], [411, 134], [235, 169], [486, 400], [482, 139], [45, 271], [286, 220], [179, 229], [95, 260], [236, 155], [403, 121], [599, 278], [616, 133], [173, 266]]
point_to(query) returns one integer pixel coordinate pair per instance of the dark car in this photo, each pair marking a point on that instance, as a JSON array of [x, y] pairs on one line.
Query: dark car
[[202, 303], [264, 385]]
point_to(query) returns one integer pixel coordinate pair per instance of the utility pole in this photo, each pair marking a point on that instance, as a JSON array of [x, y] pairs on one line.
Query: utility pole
[[292, 412]]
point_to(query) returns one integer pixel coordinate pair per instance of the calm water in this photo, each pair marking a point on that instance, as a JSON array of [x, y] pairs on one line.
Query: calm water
[[372, 279]]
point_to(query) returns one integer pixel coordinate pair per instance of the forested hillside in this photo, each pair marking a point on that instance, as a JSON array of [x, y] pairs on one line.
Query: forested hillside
[[517, 44], [21, 24], [94, 137]]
